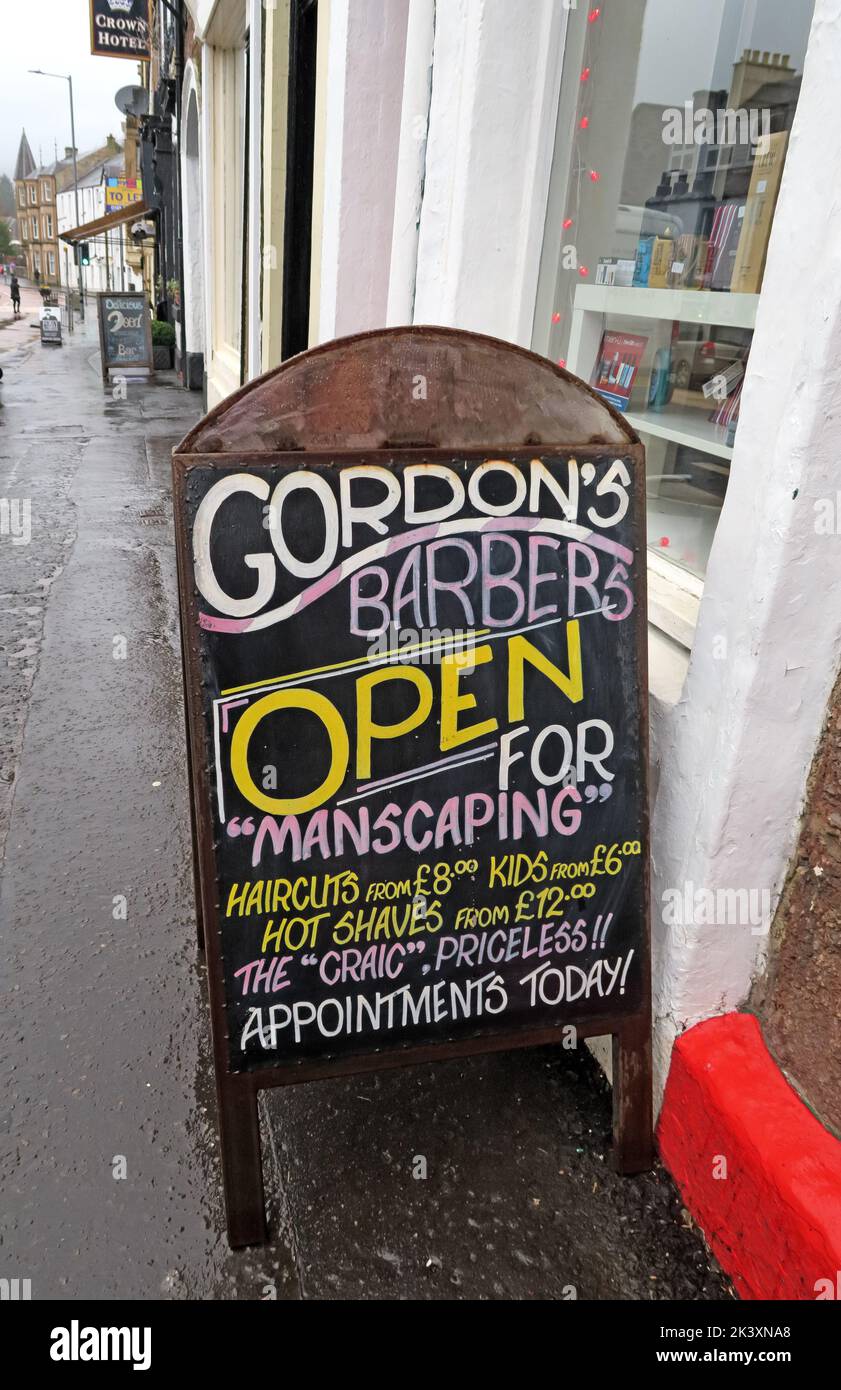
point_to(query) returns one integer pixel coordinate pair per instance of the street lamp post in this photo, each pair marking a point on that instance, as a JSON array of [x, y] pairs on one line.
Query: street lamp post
[[65, 77]]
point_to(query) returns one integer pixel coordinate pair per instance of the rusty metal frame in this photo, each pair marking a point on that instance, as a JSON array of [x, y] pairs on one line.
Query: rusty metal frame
[[237, 1091]]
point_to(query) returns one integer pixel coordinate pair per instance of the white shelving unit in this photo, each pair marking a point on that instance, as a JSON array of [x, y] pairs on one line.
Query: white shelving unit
[[594, 303], [691, 306], [683, 425], [688, 522]]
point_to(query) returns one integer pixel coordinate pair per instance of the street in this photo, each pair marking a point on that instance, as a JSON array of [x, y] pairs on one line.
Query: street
[[110, 1164]]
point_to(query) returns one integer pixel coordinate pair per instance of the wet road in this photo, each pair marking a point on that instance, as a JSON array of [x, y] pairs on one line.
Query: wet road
[[108, 1152], [105, 1059]]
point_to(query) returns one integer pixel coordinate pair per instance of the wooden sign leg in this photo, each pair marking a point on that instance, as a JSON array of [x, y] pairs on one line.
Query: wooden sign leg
[[633, 1138], [242, 1168]]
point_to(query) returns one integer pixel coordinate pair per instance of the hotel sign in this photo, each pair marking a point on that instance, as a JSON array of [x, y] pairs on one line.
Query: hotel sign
[[121, 29]]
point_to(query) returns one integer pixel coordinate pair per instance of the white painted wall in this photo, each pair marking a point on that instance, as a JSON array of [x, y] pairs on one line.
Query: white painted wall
[[411, 164], [495, 86], [439, 125], [223, 162], [735, 750], [364, 94]]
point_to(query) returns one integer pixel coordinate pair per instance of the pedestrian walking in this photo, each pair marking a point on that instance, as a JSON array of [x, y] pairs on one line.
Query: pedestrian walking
[[14, 291]]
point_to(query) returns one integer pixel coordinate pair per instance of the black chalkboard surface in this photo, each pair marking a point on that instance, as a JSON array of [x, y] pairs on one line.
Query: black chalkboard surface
[[125, 332], [427, 800]]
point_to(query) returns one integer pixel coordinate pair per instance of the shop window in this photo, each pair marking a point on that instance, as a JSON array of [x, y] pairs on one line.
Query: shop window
[[673, 129]]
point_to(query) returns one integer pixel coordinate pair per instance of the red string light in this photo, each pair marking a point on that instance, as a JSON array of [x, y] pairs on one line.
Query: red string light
[[593, 16]]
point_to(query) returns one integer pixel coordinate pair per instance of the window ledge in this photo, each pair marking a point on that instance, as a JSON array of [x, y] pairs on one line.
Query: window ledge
[[674, 598], [668, 663]]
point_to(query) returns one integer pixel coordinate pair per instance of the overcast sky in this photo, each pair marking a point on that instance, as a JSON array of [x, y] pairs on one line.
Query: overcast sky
[[690, 45], [55, 35]]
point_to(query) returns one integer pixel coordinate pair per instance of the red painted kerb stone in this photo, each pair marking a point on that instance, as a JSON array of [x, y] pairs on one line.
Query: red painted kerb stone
[[774, 1222]]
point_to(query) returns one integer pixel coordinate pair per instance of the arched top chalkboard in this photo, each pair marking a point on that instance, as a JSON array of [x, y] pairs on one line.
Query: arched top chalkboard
[[412, 387], [412, 576]]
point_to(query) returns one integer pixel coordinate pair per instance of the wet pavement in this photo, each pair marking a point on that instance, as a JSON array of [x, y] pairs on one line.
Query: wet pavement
[[486, 1178], [18, 330]]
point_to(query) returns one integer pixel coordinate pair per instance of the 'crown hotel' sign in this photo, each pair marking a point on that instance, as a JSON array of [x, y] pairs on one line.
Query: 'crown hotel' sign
[[120, 29]]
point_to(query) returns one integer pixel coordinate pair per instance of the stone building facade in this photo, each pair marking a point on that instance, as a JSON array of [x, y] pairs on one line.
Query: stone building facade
[[36, 194]]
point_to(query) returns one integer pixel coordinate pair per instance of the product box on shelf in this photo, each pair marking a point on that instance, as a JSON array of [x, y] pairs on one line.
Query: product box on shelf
[[689, 262], [642, 270], [617, 365], [764, 190], [724, 243], [662, 255], [615, 270]]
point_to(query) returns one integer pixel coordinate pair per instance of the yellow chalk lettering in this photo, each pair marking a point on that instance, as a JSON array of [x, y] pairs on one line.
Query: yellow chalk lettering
[[367, 730], [339, 751], [520, 651], [452, 703]]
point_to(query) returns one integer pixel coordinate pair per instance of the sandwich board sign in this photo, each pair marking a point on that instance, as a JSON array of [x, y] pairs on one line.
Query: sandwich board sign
[[412, 595], [125, 334], [50, 325]]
